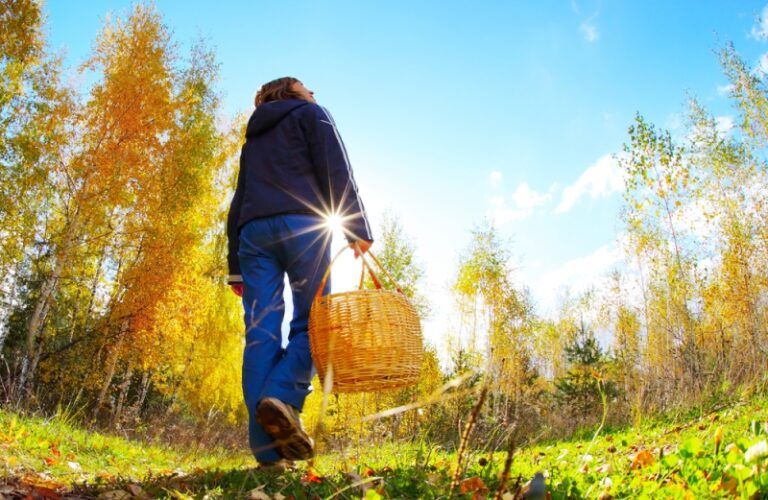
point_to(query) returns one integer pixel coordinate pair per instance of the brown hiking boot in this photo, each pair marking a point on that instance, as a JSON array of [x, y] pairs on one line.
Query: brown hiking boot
[[281, 421], [275, 468]]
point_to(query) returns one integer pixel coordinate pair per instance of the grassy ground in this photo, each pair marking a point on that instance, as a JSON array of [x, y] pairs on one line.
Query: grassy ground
[[718, 455]]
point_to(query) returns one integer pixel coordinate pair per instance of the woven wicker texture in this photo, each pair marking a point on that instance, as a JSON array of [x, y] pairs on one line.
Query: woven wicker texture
[[365, 340]]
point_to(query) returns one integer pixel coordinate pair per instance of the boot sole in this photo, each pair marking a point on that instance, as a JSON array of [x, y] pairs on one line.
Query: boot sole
[[275, 468], [291, 441]]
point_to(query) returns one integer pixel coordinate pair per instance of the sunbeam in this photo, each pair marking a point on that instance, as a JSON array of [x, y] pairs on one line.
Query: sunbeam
[[335, 223]]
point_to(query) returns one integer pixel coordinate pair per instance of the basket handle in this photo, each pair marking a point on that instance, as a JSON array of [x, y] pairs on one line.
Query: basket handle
[[366, 266], [386, 273], [327, 273]]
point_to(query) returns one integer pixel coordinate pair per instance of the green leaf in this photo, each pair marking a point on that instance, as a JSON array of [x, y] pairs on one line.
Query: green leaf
[[372, 494], [691, 447], [741, 472]]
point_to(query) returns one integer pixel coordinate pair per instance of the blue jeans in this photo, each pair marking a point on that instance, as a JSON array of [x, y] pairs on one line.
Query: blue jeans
[[270, 247]]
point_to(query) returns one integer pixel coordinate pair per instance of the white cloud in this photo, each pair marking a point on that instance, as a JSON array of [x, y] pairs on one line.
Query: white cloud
[[577, 275], [525, 197], [590, 31], [760, 30], [725, 90], [496, 177], [524, 201], [762, 64], [724, 124], [599, 180], [502, 214]]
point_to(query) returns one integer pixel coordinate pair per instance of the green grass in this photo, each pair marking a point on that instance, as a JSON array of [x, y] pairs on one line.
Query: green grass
[[666, 460]]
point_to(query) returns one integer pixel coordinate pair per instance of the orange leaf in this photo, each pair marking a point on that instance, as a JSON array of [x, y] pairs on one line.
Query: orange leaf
[[47, 493], [311, 477], [42, 481], [641, 459], [472, 484], [368, 472]]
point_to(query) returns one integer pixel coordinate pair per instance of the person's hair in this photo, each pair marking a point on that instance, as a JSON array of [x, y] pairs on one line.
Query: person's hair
[[277, 90]]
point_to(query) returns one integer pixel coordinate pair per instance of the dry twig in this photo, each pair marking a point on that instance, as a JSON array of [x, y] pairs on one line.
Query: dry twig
[[465, 437], [507, 467]]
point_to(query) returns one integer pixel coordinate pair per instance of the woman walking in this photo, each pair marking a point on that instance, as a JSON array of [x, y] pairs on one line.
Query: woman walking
[[294, 174]]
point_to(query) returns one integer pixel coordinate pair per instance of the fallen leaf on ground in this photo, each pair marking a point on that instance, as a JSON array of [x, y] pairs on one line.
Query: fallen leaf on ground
[[311, 477], [46, 493], [604, 469], [115, 495], [41, 480], [135, 490], [258, 494], [728, 484], [472, 484], [641, 459]]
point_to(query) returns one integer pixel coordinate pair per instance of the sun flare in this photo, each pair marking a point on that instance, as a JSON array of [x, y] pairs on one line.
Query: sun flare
[[335, 223]]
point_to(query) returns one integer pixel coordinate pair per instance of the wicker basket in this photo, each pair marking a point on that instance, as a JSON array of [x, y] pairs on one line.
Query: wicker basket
[[365, 340]]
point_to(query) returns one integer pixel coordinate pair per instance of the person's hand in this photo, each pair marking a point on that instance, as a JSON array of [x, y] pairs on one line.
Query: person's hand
[[360, 247], [237, 289]]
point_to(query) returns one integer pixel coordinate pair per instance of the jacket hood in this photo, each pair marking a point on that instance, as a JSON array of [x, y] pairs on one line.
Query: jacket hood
[[269, 114]]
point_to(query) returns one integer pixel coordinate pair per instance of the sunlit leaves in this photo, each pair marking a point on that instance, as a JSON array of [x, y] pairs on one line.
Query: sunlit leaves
[[112, 218], [695, 217]]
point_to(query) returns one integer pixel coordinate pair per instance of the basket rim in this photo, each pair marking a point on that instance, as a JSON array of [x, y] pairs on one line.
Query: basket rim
[[362, 292]]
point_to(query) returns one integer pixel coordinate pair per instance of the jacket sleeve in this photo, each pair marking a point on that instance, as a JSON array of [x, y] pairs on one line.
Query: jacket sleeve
[[334, 173], [233, 238]]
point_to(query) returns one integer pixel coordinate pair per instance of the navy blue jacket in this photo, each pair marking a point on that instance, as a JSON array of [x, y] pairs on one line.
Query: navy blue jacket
[[293, 161]]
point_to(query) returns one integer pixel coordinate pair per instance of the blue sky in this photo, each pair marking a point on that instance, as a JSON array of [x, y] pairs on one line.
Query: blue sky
[[456, 111]]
